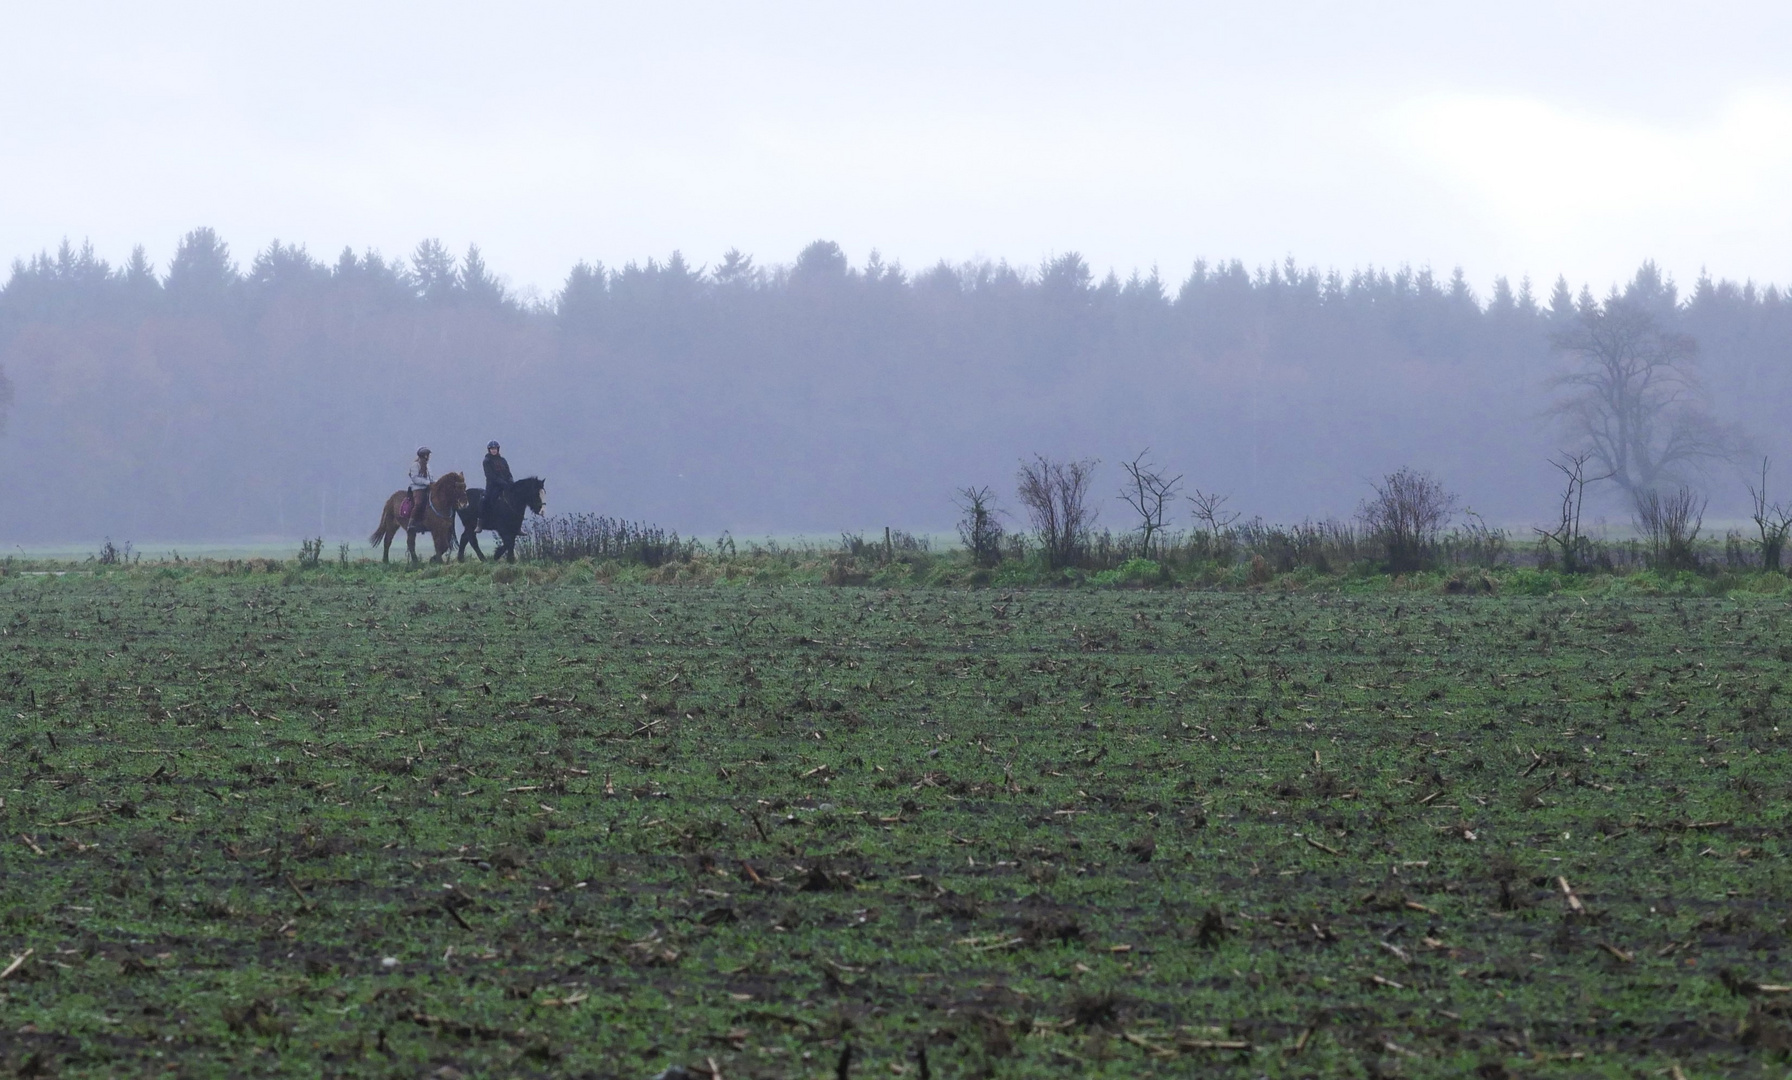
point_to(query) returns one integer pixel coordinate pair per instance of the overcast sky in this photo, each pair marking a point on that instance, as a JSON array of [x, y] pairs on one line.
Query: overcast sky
[[1506, 138]]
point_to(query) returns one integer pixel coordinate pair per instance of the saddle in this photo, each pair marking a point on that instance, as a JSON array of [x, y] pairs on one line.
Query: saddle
[[408, 505], [489, 504]]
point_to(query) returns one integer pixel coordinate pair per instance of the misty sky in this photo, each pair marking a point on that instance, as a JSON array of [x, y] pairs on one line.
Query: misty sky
[[1506, 138]]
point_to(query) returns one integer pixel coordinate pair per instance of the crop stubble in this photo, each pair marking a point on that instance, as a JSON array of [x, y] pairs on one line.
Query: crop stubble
[[374, 824]]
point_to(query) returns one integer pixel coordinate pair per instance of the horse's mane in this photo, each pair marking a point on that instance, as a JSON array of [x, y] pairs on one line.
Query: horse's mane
[[451, 483]]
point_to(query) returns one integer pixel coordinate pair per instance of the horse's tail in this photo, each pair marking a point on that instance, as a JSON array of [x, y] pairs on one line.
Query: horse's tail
[[385, 525]]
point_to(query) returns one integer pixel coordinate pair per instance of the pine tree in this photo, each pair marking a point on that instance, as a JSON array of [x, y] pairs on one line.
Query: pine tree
[[1527, 301], [580, 302], [201, 274], [1561, 303], [433, 274], [737, 270], [478, 284]]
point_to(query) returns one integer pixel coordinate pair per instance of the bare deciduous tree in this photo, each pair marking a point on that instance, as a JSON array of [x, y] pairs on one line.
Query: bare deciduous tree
[[1408, 511], [1055, 494], [979, 529], [1566, 539], [1773, 519], [1634, 400], [1210, 511], [1149, 492]]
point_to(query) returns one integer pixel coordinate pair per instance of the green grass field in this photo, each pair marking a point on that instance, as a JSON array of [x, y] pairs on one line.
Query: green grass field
[[380, 823]]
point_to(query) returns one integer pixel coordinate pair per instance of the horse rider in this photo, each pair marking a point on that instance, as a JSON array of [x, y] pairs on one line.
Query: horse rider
[[497, 472], [419, 481]]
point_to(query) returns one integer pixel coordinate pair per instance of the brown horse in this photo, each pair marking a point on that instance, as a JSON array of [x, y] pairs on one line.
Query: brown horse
[[446, 496]]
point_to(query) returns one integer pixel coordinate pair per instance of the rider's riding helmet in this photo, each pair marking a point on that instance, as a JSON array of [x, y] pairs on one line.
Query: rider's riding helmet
[[423, 451], [493, 445]]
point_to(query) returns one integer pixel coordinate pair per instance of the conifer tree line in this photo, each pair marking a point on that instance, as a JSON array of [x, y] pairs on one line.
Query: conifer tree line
[[284, 397]]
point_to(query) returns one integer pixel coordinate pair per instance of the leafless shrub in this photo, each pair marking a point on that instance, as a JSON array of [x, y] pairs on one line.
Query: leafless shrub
[[1324, 546], [895, 543], [1736, 553], [1477, 543], [111, 554], [566, 537], [1056, 495], [1774, 520], [1407, 513], [1670, 524], [1149, 492], [901, 541], [980, 530], [1566, 540]]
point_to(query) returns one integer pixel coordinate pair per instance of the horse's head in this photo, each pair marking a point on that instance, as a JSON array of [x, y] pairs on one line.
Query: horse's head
[[451, 490], [537, 491]]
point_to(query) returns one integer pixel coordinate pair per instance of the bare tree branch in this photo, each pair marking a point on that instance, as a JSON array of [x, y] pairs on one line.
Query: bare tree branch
[[1210, 510], [1774, 520], [1148, 492], [1566, 537]]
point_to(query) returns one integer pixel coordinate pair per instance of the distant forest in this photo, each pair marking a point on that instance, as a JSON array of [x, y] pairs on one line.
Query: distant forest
[[213, 401]]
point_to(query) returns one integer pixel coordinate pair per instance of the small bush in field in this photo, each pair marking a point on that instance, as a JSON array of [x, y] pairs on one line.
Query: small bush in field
[[1671, 522], [980, 530], [1056, 495], [1406, 515]]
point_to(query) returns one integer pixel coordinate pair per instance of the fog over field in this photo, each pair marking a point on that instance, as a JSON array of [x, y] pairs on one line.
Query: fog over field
[[817, 395], [804, 269]]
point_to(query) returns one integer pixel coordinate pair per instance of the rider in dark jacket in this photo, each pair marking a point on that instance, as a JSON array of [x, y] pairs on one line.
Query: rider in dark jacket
[[497, 472]]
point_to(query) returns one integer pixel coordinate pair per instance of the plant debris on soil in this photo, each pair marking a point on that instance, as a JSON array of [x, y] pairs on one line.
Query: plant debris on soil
[[400, 825]]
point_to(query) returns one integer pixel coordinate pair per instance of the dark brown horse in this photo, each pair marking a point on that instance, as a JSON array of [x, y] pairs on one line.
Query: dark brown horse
[[446, 496], [503, 515]]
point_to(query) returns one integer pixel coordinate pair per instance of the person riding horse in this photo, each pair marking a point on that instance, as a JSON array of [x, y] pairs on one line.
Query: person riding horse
[[497, 473], [418, 481], [500, 506]]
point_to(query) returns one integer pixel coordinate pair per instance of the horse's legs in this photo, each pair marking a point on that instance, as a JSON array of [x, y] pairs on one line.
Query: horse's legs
[[471, 536], [386, 555]]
